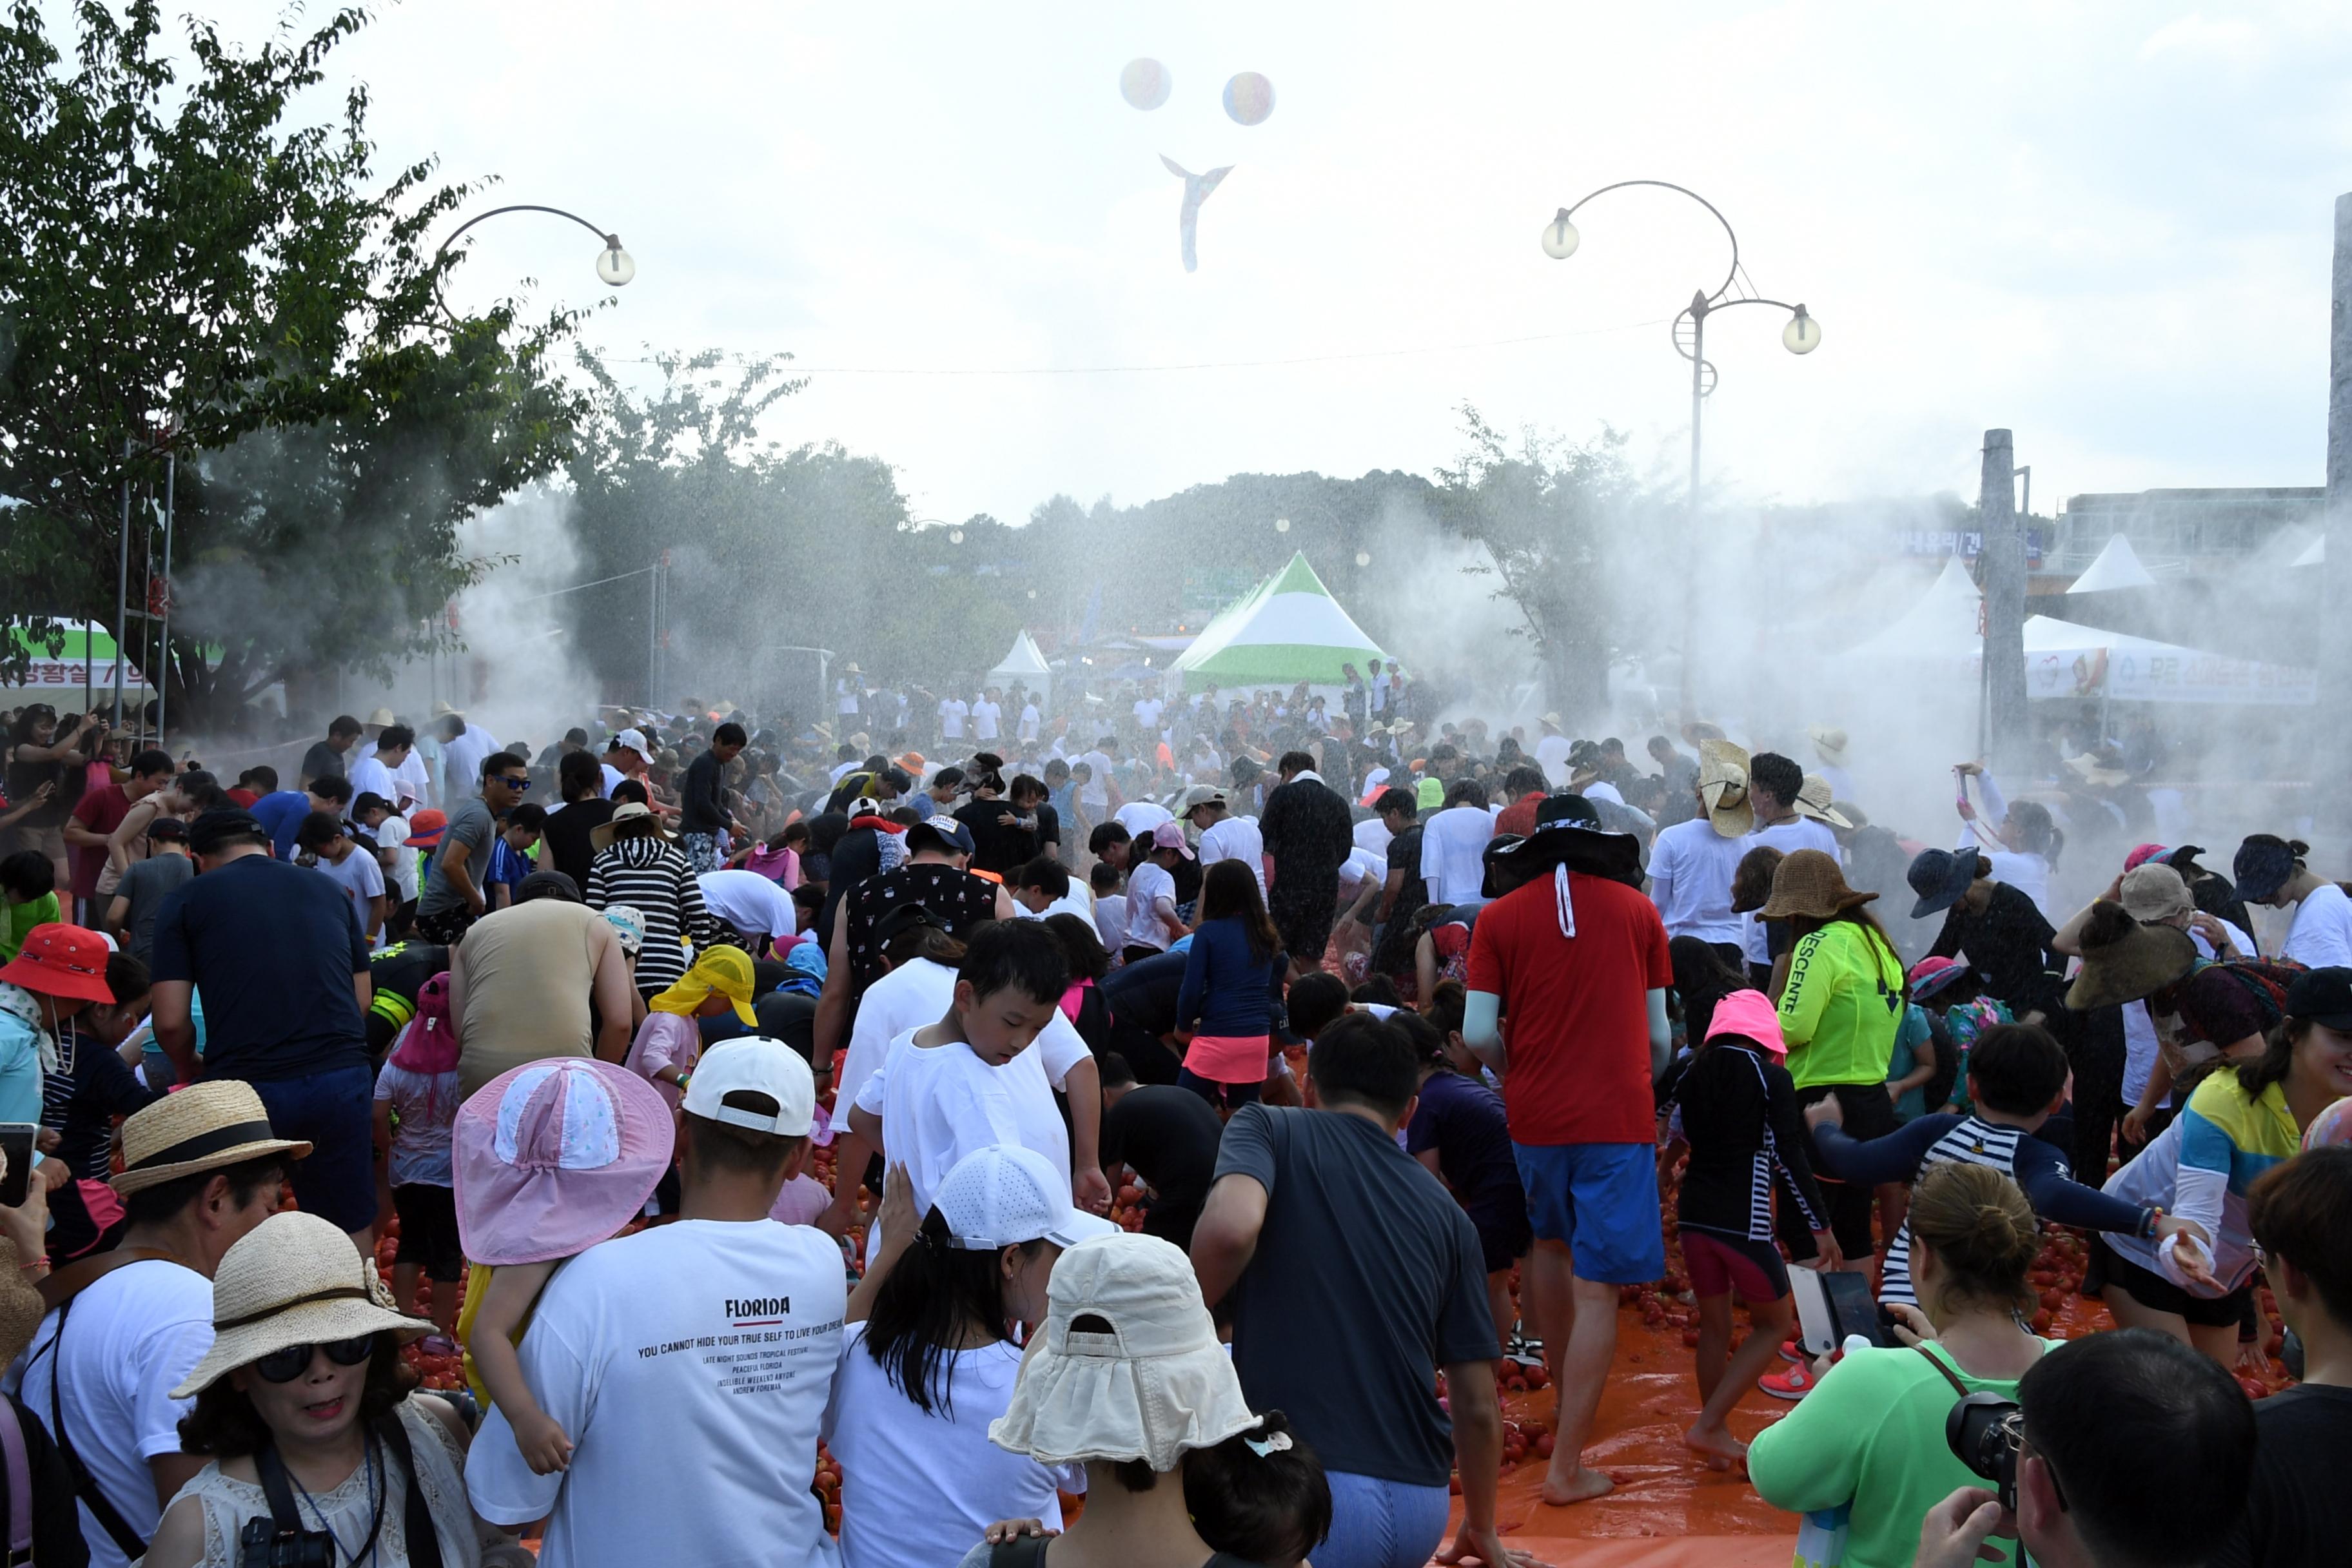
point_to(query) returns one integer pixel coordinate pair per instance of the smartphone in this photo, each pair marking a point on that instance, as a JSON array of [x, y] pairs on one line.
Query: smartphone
[[1855, 1310], [16, 1142]]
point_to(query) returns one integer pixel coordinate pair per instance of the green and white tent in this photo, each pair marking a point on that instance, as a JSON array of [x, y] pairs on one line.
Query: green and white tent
[[1288, 629]]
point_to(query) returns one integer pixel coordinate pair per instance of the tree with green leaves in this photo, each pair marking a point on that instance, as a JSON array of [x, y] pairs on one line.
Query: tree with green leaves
[[1546, 512], [194, 272]]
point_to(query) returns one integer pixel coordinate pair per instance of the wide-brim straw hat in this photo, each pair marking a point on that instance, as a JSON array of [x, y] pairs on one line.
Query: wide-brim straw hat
[[603, 833], [382, 718], [1809, 883], [1818, 800], [1154, 1387], [1831, 743], [1723, 784], [204, 1127], [293, 1279], [2100, 767], [2124, 961]]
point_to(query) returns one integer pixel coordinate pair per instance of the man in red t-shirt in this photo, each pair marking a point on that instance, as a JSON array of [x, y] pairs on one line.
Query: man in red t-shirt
[[1579, 962], [99, 812]]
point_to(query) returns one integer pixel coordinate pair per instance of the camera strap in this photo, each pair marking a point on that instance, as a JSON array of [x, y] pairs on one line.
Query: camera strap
[[1950, 1376]]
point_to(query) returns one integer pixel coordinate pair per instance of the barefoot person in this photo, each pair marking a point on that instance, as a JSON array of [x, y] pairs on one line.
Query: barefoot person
[[1739, 1111], [1578, 961]]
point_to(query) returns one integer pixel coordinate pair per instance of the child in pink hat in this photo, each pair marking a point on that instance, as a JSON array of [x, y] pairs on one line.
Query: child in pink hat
[[1740, 1114], [549, 1158]]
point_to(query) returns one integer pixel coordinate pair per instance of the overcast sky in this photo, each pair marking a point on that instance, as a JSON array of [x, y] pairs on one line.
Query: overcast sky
[[2107, 225]]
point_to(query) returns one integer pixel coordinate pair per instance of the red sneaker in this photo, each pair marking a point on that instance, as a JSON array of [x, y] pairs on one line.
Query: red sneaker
[[1794, 1384]]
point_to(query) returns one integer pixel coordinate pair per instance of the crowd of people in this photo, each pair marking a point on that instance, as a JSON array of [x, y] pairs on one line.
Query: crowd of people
[[898, 1125]]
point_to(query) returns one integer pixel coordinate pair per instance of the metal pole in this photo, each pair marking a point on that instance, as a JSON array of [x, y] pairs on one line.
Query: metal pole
[[163, 681], [653, 630], [2333, 815], [122, 583], [1691, 584]]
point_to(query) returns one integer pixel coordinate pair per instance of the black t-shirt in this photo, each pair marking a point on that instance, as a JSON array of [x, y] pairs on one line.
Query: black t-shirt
[[322, 760], [2298, 1510], [1049, 826], [273, 947], [1363, 1242], [2008, 944], [996, 847], [702, 803], [1142, 994], [568, 848], [858, 855], [788, 1016], [1169, 1135], [80, 1101]]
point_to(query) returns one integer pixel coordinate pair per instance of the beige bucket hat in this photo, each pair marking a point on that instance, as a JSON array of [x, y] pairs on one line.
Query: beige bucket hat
[[1156, 1385], [1723, 784], [294, 1280], [204, 1127]]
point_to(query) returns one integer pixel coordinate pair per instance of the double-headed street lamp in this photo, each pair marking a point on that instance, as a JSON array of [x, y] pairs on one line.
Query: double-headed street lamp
[[1802, 335]]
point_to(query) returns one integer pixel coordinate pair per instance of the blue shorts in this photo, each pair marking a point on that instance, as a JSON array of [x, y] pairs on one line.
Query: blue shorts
[[1602, 1200], [333, 1112]]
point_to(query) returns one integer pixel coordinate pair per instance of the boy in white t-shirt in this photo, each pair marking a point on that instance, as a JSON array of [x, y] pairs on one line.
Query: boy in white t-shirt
[[938, 1095]]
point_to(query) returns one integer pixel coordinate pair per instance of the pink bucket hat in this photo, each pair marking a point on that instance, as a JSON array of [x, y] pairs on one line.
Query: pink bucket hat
[[554, 1156], [2141, 855], [1750, 1016]]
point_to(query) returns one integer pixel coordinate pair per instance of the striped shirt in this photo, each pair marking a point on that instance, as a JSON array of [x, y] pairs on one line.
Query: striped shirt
[[653, 877], [1927, 1141]]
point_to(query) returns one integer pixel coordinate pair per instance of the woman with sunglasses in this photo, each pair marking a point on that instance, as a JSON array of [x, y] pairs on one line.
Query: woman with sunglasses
[[303, 1395]]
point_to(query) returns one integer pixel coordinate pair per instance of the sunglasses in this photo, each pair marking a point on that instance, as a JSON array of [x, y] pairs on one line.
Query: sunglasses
[[291, 1361], [519, 785]]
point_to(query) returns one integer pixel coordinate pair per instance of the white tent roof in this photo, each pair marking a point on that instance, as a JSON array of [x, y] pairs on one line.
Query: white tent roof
[[1942, 625], [2314, 553], [1022, 661], [2063, 659], [2118, 566]]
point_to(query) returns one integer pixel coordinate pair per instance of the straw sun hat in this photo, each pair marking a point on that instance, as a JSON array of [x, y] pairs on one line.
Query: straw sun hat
[[1723, 784], [294, 1280], [1809, 883], [204, 1127]]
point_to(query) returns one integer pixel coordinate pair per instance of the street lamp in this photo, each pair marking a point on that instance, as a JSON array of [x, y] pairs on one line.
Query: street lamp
[[614, 266], [1802, 335]]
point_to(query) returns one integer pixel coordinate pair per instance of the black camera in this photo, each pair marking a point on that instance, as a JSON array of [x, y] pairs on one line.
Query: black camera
[[261, 1544], [1986, 1432]]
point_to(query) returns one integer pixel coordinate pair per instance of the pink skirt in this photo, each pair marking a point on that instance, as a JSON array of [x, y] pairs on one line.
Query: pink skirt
[[1228, 1058]]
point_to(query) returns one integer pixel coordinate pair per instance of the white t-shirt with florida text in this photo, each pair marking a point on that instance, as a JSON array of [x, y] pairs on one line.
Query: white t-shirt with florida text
[[696, 1358]]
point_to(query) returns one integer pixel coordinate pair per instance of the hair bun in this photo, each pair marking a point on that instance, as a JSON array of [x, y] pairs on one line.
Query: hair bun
[[2298, 849]]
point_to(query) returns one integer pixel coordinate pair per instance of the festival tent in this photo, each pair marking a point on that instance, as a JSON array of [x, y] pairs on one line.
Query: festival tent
[[2115, 566], [2063, 659], [1022, 665], [1288, 629]]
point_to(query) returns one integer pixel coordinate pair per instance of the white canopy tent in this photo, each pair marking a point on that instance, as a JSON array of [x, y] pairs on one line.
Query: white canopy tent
[[2117, 566], [1022, 665], [1940, 637]]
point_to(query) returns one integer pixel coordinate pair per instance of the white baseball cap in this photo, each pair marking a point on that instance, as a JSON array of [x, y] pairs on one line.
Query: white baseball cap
[[635, 739], [761, 1066], [1005, 1195]]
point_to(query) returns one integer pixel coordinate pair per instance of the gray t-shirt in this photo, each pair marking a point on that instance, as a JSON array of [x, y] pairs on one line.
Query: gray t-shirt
[[144, 885], [468, 836], [1361, 1240]]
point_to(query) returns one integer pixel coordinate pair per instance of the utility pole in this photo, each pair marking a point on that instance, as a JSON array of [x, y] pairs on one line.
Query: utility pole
[[2004, 603], [2333, 815]]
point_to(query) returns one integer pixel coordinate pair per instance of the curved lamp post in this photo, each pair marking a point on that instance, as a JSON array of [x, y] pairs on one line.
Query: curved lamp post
[[1801, 335], [613, 265]]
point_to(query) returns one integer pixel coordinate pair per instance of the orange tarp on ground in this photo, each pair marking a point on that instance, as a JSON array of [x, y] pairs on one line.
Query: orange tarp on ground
[[1668, 1511]]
